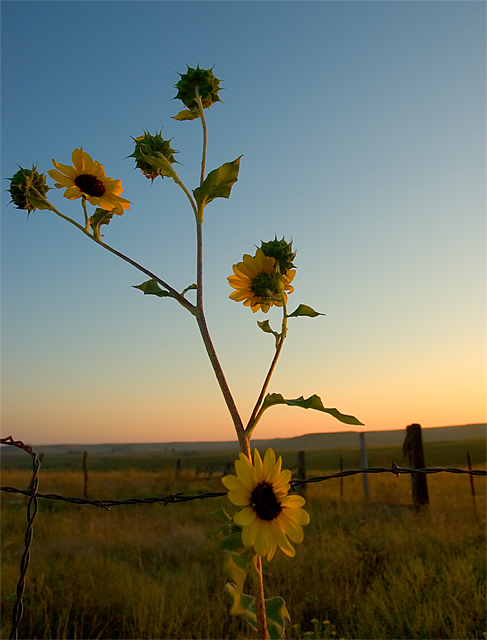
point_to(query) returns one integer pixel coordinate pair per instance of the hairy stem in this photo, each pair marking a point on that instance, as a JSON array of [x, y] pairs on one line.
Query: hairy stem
[[205, 135], [260, 599]]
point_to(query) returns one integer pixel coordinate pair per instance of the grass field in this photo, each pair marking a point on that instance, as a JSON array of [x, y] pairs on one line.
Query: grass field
[[376, 570]]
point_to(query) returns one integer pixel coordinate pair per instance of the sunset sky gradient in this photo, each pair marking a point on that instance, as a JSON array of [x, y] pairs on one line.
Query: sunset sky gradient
[[362, 129]]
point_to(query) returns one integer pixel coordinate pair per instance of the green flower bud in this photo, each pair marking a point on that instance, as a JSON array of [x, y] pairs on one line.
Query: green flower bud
[[208, 87], [153, 155], [282, 252], [28, 189]]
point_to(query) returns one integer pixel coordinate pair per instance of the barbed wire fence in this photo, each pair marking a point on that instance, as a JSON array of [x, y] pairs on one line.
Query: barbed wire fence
[[32, 505]]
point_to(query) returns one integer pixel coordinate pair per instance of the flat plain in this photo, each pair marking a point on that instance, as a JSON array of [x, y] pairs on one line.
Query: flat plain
[[366, 569]]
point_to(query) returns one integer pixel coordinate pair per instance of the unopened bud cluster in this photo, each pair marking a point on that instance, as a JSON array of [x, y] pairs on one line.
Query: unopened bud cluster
[[203, 79], [28, 189], [153, 155], [282, 252]]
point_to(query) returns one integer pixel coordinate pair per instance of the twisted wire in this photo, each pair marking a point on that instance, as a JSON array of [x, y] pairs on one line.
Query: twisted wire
[[32, 507]]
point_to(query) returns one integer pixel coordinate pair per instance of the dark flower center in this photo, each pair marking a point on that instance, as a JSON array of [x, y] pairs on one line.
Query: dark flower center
[[265, 284], [90, 185], [265, 502]]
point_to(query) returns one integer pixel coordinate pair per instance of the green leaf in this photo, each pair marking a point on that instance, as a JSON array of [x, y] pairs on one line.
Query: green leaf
[[233, 543], [191, 287], [101, 216], [218, 183], [313, 402], [276, 614], [304, 310], [266, 328], [151, 288], [186, 114], [275, 609]]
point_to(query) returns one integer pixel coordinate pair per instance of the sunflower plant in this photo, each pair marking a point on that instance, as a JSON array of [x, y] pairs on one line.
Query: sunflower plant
[[269, 517]]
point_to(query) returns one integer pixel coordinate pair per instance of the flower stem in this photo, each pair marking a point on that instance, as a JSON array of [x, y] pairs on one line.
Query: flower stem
[[180, 298], [205, 135], [260, 599], [210, 349], [256, 414]]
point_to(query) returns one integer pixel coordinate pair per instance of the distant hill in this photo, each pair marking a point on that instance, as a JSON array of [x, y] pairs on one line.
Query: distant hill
[[308, 442]]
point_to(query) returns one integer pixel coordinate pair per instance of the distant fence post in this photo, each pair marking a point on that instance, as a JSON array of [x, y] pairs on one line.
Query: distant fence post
[[471, 485], [341, 479], [364, 465], [301, 488], [85, 470], [412, 449]]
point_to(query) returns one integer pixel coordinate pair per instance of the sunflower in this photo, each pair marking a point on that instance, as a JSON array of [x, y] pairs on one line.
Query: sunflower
[[269, 516], [87, 179], [258, 284]]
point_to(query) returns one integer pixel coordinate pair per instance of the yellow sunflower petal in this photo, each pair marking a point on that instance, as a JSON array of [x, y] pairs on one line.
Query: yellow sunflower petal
[[72, 193], [60, 178], [259, 471], [294, 502], [245, 473], [245, 517], [291, 529], [250, 532], [282, 540], [264, 538], [271, 553], [240, 497]]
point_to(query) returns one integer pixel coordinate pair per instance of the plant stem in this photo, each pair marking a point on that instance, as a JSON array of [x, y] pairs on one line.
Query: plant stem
[[180, 298], [205, 135], [260, 599], [255, 417]]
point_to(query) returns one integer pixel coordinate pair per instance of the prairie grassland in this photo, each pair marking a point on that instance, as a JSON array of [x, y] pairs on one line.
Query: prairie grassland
[[376, 570]]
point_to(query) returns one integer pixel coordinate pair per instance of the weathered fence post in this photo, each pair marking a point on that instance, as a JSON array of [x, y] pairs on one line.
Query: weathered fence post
[[412, 449], [341, 479], [471, 485], [85, 470], [364, 465], [301, 488]]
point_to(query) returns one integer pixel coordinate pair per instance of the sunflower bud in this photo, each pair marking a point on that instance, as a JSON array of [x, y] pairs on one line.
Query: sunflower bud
[[28, 189], [208, 87], [154, 156], [282, 252]]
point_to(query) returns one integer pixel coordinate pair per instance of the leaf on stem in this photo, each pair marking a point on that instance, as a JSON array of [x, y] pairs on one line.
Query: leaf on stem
[[266, 328], [218, 183], [186, 114], [313, 402], [304, 310], [151, 288], [275, 609], [101, 216]]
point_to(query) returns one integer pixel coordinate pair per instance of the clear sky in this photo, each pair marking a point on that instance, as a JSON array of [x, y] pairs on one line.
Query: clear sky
[[362, 129]]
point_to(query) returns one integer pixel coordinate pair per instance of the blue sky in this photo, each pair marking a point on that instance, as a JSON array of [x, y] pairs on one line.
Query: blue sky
[[362, 129]]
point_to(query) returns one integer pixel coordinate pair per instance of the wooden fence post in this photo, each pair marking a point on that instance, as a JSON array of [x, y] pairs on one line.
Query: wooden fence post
[[364, 465], [412, 449], [85, 470], [471, 485], [341, 479], [301, 488]]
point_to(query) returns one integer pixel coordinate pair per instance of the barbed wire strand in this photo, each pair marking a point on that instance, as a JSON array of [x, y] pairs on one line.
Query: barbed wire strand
[[169, 499], [32, 508]]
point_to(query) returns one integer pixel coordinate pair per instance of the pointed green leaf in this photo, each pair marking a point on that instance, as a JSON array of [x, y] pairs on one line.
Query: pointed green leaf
[[304, 310], [153, 289], [218, 183], [243, 605], [233, 543], [266, 328], [276, 614], [101, 216], [313, 402], [186, 114], [233, 567]]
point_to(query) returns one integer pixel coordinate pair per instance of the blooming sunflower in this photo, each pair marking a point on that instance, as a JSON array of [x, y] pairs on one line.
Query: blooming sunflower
[[257, 283], [87, 179], [269, 516]]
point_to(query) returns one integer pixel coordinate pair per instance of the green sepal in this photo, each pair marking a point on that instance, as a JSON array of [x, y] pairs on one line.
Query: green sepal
[[218, 183], [161, 163], [304, 310], [101, 216], [275, 609], [186, 114], [313, 402]]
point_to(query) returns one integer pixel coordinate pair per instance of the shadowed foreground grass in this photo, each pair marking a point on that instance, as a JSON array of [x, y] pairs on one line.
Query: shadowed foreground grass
[[378, 570]]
